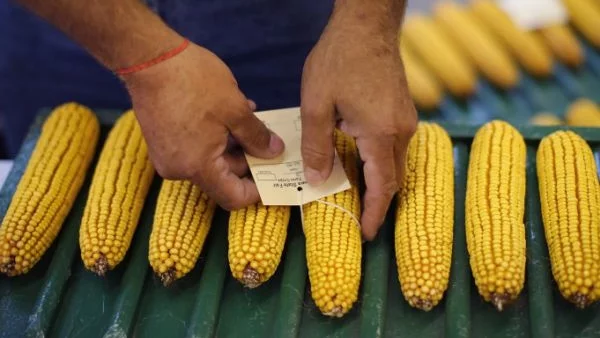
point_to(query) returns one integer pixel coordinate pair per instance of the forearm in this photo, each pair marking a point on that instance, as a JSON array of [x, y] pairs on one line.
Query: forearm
[[118, 33]]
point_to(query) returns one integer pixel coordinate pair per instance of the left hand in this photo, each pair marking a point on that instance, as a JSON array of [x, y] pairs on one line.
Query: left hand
[[355, 73]]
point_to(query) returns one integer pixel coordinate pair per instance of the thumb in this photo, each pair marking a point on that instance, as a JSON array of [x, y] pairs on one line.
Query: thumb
[[252, 134], [318, 125]]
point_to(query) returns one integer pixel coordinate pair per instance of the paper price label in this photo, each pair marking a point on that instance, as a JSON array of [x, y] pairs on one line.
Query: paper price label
[[278, 180], [534, 14]]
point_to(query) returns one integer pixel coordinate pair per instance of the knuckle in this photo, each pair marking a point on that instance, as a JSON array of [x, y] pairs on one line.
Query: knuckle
[[174, 170], [165, 171], [226, 205], [390, 188], [409, 127], [259, 136], [237, 114], [187, 170], [236, 117], [170, 165], [231, 204], [403, 124], [314, 154], [404, 129]]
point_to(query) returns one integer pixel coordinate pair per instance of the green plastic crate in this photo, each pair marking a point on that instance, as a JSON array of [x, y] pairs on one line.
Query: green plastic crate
[[59, 298]]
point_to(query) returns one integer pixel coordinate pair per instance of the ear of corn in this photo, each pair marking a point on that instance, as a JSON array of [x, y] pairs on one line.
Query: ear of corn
[[424, 36], [257, 236], [121, 181], [494, 212], [48, 187], [570, 201], [563, 43], [584, 17], [546, 119], [526, 47], [488, 55], [424, 217], [182, 220], [424, 87], [333, 240], [583, 113]]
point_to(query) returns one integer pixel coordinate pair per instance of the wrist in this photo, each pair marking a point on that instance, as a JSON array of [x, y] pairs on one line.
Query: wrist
[[137, 35], [382, 17], [140, 46], [138, 54], [154, 61]]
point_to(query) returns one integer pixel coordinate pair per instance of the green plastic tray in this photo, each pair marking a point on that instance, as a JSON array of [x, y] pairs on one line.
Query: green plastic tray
[[59, 298]]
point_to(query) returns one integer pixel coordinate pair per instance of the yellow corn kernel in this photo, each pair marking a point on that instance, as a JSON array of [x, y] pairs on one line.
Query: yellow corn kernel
[[583, 113], [563, 43], [546, 119], [570, 200], [494, 212], [424, 217], [121, 181], [584, 16], [333, 240], [257, 236], [429, 42], [473, 38], [423, 86], [182, 220], [46, 192], [525, 46]]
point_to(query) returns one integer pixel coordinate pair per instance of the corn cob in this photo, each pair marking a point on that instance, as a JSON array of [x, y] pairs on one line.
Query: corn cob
[[494, 212], [424, 87], [333, 240], [487, 54], [583, 113], [424, 218], [424, 36], [48, 187], [119, 186], [584, 17], [257, 236], [525, 46], [182, 220], [563, 43], [570, 199], [546, 119]]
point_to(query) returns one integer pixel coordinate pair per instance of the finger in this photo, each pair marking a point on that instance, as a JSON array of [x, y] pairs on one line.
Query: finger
[[228, 190], [400, 149], [252, 134], [318, 149], [237, 164], [380, 179]]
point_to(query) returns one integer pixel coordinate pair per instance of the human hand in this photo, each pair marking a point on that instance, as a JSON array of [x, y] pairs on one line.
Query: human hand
[[188, 108], [354, 78]]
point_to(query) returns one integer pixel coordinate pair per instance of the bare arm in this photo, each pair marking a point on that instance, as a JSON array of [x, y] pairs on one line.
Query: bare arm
[[187, 106], [118, 33]]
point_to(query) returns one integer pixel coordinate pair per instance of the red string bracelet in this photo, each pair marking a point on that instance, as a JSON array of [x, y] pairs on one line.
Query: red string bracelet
[[165, 56]]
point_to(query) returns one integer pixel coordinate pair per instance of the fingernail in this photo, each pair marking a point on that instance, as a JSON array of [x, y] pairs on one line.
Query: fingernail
[[313, 176], [276, 144], [252, 105]]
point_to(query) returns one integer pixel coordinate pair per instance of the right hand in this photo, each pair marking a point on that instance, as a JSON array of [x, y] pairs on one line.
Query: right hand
[[188, 107]]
